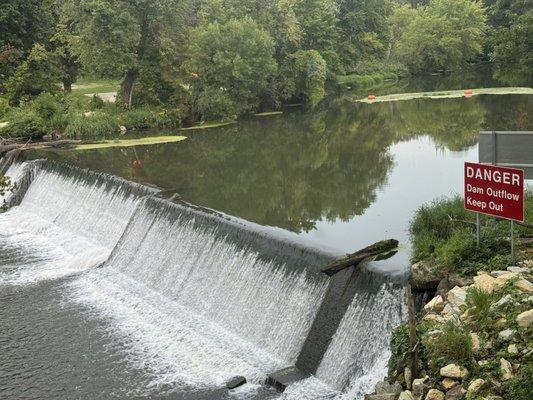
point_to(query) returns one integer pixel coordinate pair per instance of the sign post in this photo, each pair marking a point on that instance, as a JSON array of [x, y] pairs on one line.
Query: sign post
[[496, 191]]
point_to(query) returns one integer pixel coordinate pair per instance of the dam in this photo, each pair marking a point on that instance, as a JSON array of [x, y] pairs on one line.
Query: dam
[[161, 299]]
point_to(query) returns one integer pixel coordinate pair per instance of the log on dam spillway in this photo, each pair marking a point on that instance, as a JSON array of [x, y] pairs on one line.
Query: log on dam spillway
[[199, 297]]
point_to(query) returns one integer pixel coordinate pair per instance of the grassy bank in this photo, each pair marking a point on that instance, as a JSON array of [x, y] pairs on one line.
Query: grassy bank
[[474, 338]]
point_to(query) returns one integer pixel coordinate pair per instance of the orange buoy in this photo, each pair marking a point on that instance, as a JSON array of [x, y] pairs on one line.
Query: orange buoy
[[136, 163], [469, 91], [371, 97]]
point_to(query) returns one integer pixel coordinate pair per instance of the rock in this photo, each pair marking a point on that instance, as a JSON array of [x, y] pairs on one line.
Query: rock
[[503, 279], [454, 371], [388, 396], [518, 270], [425, 276], [457, 296], [406, 395], [436, 304], [449, 310], [481, 363], [486, 282], [506, 369], [455, 279], [235, 382], [122, 129], [88, 114], [408, 376], [420, 387], [525, 319], [476, 345], [456, 393], [507, 334], [475, 386], [4, 124], [434, 317], [496, 274], [512, 349], [448, 383], [500, 323], [524, 286], [502, 303], [435, 394], [489, 345], [385, 387]]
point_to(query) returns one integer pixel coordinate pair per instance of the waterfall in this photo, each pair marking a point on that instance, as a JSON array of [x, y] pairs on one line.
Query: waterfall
[[197, 295], [68, 220]]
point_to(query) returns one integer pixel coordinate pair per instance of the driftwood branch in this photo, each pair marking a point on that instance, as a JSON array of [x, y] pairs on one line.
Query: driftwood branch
[[4, 148], [379, 250]]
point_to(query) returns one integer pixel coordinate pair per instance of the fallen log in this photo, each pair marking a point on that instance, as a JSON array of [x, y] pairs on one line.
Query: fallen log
[[379, 250], [39, 145]]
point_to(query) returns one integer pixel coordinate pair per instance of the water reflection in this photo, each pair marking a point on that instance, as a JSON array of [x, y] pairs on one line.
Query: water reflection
[[300, 168]]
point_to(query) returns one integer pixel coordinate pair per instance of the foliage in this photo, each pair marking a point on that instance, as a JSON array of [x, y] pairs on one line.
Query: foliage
[[399, 345], [6, 186], [35, 75], [307, 69], [231, 64], [24, 123], [478, 302], [512, 53], [441, 36], [454, 344], [520, 387], [97, 125]]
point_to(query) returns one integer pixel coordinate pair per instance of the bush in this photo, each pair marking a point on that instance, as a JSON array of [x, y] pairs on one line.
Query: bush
[[4, 107], [97, 125], [24, 123], [479, 302], [399, 345], [521, 387], [138, 118], [452, 345]]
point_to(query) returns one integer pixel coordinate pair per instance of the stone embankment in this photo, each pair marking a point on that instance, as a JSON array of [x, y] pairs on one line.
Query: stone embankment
[[474, 338]]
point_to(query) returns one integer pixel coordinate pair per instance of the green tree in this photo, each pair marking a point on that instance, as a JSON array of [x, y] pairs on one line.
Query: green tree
[[232, 63], [37, 74], [444, 35], [364, 30], [319, 25], [122, 37]]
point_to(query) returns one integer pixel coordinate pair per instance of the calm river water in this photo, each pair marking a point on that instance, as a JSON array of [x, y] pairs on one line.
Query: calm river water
[[344, 176]]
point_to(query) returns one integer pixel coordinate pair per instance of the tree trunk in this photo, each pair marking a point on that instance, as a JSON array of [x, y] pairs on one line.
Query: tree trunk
[[126, 87]]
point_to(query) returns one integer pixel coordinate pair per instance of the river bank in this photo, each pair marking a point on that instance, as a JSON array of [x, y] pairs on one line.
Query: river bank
[[471, 334]]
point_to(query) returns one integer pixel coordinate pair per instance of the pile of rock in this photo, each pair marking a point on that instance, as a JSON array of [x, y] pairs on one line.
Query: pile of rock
[[498, 356]]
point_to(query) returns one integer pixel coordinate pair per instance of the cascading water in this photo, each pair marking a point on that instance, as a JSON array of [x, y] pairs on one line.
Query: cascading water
[[68, 220], [197, 296]]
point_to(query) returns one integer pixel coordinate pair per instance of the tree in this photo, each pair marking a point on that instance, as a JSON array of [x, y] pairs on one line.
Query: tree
[[37, 74], [119, 37], [364, 30], [319, 25], [444, 35], [513, 52], [231, 64]]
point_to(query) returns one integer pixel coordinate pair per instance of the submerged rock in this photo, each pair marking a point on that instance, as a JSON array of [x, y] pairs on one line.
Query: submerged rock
[[235, 382]]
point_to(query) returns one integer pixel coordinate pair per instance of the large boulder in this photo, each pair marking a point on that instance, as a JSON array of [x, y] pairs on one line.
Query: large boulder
[[424, 276], [487, 283], [524, 285], [525, 319]]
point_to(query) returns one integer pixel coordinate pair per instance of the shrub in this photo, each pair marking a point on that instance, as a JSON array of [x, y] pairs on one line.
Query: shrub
[[399, 345], [96, 103], [454, 344], [46, 106], [479, 302], [138, 118], [97, 125], [24, 123], [4, 107], [521, 387]]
